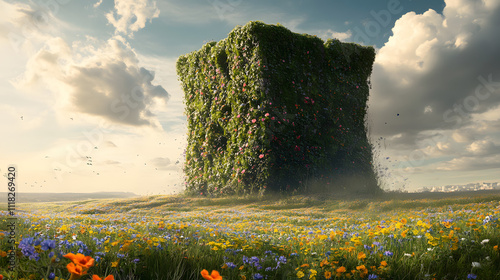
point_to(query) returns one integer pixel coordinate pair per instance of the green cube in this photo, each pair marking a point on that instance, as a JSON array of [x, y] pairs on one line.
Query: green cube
[[271, 109]]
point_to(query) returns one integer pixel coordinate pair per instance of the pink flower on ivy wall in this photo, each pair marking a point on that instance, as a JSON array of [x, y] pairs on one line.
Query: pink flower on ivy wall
[[261, 156], [254, 120], [267, 115]]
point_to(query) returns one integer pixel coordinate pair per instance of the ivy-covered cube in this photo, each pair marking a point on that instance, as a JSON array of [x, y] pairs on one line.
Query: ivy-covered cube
[[271, 109]]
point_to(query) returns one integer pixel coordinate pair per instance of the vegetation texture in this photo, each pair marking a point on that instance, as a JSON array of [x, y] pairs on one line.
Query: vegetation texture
[[271, 109], [252, 237]]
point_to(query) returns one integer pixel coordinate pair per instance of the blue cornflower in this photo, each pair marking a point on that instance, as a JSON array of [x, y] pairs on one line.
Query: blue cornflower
[[230, 265], [372, 276], [48, 244], [65, 243], [27, 248], [388, 253], [51, 276], [471, 276], [27, 241], [257, 276]]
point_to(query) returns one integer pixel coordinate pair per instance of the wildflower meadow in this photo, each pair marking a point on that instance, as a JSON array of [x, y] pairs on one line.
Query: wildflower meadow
[[255, 237]]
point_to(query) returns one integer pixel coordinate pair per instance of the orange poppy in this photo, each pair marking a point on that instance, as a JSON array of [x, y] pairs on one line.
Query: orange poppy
[[214, 276], [76, 271], [80, 259], [110, 277]]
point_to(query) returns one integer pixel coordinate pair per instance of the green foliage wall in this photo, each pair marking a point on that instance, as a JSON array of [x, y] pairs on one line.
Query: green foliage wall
[[271, 109]]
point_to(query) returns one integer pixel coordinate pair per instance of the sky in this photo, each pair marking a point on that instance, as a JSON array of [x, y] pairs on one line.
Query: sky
[[91, 101]]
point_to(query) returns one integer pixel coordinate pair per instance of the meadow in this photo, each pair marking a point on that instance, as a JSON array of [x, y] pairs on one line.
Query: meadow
[[257, 237]]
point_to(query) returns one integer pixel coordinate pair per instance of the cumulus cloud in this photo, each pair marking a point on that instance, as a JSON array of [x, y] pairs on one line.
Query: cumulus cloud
[[105, 81], [436, 88], [437, 71], [442, 62], [131, 15]]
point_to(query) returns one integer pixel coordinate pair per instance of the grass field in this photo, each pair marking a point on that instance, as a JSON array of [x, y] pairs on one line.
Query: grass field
[[252, 237]]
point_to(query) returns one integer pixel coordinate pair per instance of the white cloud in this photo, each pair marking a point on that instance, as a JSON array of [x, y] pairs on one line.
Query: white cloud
[[105, 81], [331, 34], [97, 4], [130, 15], [412, 42], [436, 74], [432, 82]]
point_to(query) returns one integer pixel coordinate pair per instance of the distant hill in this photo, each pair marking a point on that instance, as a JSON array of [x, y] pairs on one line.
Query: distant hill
[[51, 197]]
